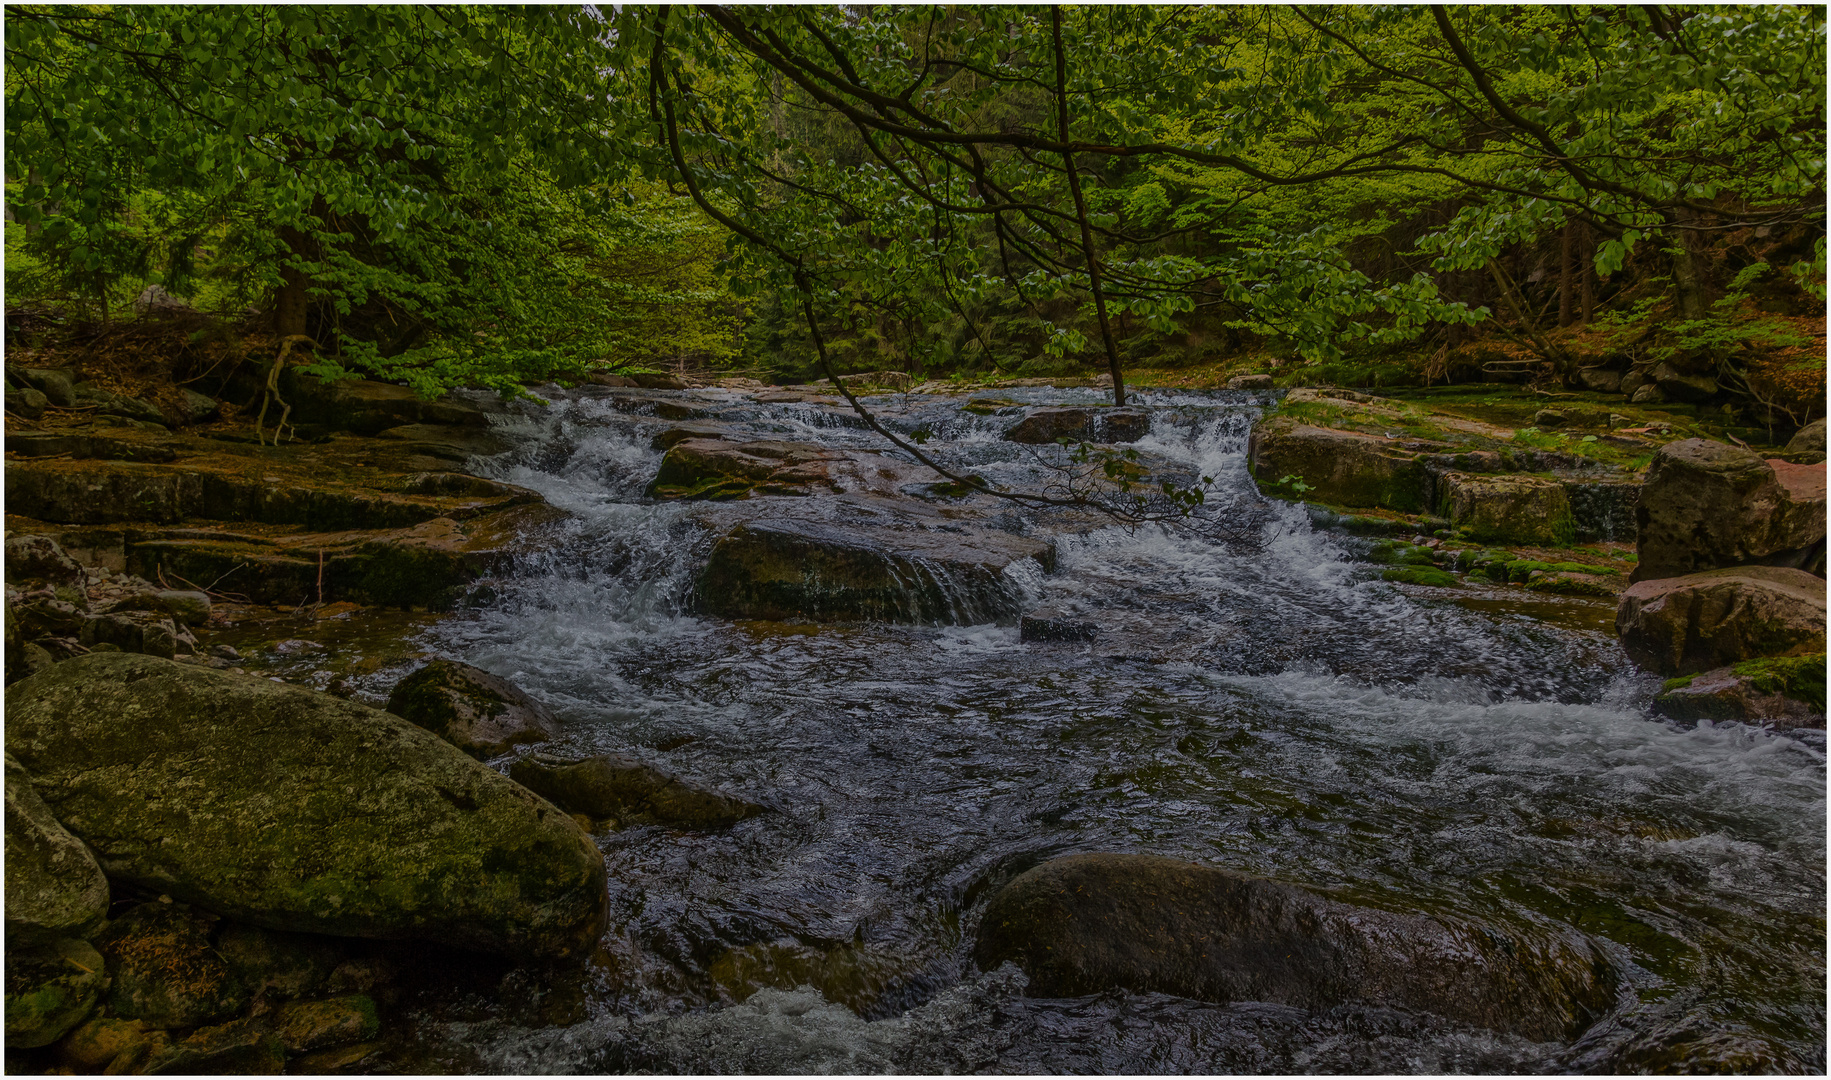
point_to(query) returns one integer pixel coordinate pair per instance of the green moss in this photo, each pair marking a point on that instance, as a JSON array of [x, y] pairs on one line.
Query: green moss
[[1414, 575], [1399, 552], [1799, 677], [1676, 684]]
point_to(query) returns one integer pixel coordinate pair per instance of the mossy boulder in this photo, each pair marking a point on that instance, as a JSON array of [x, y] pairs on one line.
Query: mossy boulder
[[295, 810], [1092, 923], [712, 468], [785, 569], [54, 889], [479, 713], [1420, 575], [1573, 583], [1786, 692], [1342, 468], [623, 788], [1505, 508], [39, 559], [1693, 623], [49, 990], [276, 965], [1707, 505], [163, 969], [1399, 553]]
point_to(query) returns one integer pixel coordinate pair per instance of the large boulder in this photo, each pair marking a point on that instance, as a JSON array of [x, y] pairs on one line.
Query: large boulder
[[54, 889], [479, 713], [1808, 439], [1515, 509], [295, 810], [1043, 426], [615, 786], [1707, 504], [39, 558], [1342, 468], [1091, 923], [1696, 622], [785, 569]]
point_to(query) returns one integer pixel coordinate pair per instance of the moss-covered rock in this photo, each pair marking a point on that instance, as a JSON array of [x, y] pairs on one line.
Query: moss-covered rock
[[1573, 583], [1046, 425], [620, 787], [1420, 575], [1515, 509], [1399, 553], [162, 968], [276, 965], [240, 1047], [716, 469], [49, 990], [1091, 923], [295, 810], [54, 889], [1342, 468], [1681, 625], [479, 713], [1786, 692], [98, 1043], [39, 559], [314, 1025]]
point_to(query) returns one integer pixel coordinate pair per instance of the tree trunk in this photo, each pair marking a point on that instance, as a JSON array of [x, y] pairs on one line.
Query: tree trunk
[[1587, 251], [1687, 272], [1566, 253], [293, 299]]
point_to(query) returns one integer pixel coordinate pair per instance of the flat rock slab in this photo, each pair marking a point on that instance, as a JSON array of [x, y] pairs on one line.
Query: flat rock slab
[[1696, 622], [295, 810], [828, 572], [1091, 923], [621, 787]]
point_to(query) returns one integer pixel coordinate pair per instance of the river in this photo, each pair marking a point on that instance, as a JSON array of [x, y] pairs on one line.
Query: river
[[1270, 707]]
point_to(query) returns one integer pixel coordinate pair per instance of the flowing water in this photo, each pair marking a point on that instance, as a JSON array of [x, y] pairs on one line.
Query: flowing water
[[1272, 708]]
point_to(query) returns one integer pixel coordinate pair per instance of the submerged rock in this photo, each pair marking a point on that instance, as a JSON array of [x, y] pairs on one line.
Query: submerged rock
[[295, 810], [1707, 504], [49, 990], [54, 889], [784, 569], [479, 713], [1681, 625], [1090, 923], [615, 786]]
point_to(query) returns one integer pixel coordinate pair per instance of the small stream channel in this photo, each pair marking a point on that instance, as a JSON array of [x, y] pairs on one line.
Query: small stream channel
[[1275, 709]]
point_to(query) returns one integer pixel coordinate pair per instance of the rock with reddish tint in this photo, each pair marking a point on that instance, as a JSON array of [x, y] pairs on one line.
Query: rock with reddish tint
[[1778, 692], [479, 713], [1681, 625], [1707, 505]]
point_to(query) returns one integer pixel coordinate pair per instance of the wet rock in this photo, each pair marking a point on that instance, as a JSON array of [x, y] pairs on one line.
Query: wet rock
[[1342, 468], [295, 810], [715, 469], [26, 402], [275, 964], [650, 381], [240, 1047], [784, 569], [85, 446], [479, 713], [1420, 575], [39, 558], [163, 969], [1250, 382], [1600, 380], [1707, 504], [100, 1042], [1787, 693], [368, 408], [615, 786], [1681, 625], [1565, 583], [1043, 426], [58, 385], [183, 605], [1508, 508], [1808, 439], [1091, 923], [675, 434], [1055, 624], [54, 889], [49, 990], [314, 1025], [335, 1060]]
